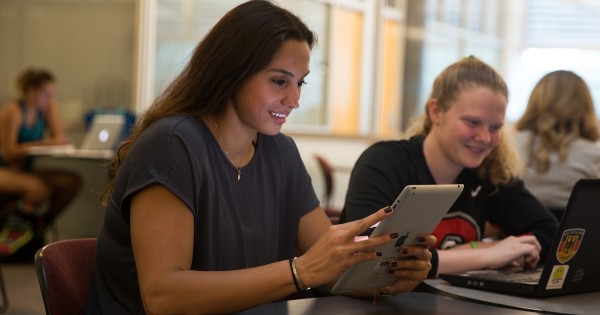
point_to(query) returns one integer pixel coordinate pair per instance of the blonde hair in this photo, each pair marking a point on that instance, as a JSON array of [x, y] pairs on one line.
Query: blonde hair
[[500, 166], [560, 110]]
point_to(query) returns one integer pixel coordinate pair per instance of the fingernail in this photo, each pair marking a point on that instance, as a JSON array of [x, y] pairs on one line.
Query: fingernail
[[390, 271], [393, 264], [394, 235], [388, 209], [405, 251], [422, 239], [378, 254]]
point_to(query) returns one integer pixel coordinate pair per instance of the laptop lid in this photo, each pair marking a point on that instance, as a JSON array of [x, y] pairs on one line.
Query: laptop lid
[[104, 133], [572, 264]]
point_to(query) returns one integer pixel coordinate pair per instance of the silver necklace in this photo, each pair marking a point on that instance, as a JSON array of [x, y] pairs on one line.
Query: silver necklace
[[238, 168]]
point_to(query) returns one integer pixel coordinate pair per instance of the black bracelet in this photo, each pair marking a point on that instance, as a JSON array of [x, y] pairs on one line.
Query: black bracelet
[[293, 275]]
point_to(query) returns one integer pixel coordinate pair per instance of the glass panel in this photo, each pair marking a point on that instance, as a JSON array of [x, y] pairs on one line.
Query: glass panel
[[439, 52], [535, 63], [474, 15], [391, 82], [180, 25], [345, 70], [313, 107]]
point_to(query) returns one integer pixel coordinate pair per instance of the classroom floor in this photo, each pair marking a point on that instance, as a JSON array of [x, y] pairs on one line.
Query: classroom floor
[[21, 285]]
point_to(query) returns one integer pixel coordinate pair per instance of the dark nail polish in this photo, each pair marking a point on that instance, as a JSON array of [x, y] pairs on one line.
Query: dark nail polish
[[393, 264], [378, 254], [390, 271], [405, 251], [422, 239], [394, 235], [388, 209]]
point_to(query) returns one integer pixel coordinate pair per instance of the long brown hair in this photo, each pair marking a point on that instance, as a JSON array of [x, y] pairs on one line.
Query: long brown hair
[[242, 43], [500, 166], [560, 110]]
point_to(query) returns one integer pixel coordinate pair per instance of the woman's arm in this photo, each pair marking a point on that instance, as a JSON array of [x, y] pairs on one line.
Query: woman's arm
[[518, 251], [162, 239], [57, 133], [10, 122], [162, 235]]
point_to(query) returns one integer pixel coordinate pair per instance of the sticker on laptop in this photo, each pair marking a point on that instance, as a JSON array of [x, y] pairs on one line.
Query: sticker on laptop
[[569, 244], [557, 277]]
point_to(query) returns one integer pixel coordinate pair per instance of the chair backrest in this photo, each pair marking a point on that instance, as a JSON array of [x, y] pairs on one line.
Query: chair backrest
[[64, 271], [327, 171]]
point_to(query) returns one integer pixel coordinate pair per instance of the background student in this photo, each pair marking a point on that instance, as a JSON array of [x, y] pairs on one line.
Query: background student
[[460, 140], [33, 120], [211, 202], [557, 137]]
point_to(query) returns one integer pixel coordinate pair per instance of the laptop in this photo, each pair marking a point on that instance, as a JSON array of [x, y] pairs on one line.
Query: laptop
[[104, 133], [416, 211], [100, 141], [573, 264]]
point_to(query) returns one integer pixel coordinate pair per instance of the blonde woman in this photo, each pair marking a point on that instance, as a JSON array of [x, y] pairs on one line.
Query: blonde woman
[[557, 137], [460, 140]]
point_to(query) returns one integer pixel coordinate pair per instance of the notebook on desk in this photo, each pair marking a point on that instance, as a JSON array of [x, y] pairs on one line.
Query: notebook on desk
[[573, 264], [100, 141]]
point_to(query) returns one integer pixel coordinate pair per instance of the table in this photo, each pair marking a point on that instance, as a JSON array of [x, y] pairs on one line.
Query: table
[[84, 215], [579, 303], [413, 303]]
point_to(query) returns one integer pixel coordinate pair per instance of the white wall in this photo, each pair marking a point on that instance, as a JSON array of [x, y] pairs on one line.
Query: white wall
[[88, 45]]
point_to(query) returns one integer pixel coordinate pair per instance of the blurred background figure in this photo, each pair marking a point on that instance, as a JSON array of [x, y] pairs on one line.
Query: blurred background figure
[[31, 198], [557, 138]]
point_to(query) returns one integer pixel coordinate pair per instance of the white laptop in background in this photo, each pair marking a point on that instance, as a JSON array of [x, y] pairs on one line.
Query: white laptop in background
[[104, 133], [100, 141]]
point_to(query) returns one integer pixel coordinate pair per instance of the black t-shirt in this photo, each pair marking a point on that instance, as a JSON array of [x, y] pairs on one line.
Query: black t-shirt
[[237, 224], [386, 167]]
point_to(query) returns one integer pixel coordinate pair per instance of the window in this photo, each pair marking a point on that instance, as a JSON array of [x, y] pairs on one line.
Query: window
[[439, 33], [558, 35], [354, 87]]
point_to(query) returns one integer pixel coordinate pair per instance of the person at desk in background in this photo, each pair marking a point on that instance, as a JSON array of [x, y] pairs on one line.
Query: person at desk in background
[[557, 137], [211, 203], [24, 123], [459, 140]]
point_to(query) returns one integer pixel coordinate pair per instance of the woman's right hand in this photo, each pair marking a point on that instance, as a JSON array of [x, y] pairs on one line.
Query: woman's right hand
[[336, 250], [517, 251]]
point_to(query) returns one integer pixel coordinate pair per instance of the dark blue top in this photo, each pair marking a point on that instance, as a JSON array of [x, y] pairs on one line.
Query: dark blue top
[[237, 224]]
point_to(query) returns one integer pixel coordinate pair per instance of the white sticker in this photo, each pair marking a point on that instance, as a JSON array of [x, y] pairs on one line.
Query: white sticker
[[558, 276]]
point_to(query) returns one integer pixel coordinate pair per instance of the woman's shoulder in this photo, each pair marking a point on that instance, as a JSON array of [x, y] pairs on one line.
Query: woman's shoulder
[[10, 106], [393, 153], [176, 124], [397, 145], [11, 110], [585, 147]]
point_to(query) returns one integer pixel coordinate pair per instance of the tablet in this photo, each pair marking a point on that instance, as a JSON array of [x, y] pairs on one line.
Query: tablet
[[417, 211]]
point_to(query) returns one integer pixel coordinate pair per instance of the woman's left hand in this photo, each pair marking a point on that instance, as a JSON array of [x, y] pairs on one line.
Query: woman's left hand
[[412, 270]]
